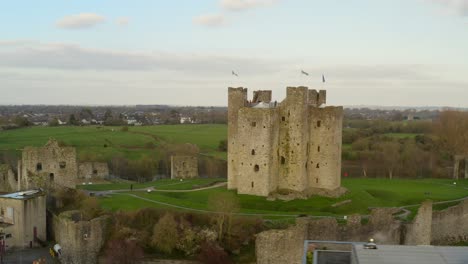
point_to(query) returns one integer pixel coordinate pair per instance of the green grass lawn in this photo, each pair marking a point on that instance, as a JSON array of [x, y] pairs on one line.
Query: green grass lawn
[[103, 143], [165, 184], [364, 193]]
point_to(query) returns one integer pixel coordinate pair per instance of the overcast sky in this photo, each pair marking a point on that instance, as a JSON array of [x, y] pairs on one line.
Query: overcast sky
[[182, 52]]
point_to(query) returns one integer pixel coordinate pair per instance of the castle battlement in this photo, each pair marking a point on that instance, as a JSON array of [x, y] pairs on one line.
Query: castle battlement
[[293, 145]]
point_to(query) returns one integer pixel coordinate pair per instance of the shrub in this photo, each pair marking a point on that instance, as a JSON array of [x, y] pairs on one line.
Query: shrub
[[123, 252], [165, 235], [212, 253]]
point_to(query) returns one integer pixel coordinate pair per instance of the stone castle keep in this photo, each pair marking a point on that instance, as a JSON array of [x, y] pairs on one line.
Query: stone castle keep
[[290, 146]]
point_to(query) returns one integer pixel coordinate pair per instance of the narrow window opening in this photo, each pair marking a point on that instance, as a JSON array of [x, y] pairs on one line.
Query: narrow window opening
[[318, 165], [63, 164], [283, 118], [39, 167], [318, 148], [51, 177], [254, 124], [319, 123], [316, 180], [253, 152], [283, 160], [289, 113], [94, 172], [252, 184], [256, 168]]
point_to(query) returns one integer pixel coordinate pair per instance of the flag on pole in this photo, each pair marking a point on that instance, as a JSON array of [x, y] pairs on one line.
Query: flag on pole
[[323, 78], [305, 73]]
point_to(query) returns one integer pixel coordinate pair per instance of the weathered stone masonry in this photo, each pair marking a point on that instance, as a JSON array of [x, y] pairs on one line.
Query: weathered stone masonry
[[54, 165], [293, 146], [184, 167], [444, 227]]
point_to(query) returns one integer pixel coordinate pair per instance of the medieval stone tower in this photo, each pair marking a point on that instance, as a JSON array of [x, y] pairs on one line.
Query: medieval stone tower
[[294, 145]]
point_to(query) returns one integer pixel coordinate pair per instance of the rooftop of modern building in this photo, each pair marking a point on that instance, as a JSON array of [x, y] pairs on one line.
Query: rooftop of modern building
[[362, 253], [23, 195], [395, 254]]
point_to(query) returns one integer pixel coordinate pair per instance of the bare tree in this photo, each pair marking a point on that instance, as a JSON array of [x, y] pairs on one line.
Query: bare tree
[[225, 205], [451, 130], [390, 155]]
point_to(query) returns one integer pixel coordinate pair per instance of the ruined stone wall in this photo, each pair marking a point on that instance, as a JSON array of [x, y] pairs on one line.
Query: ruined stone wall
[[419, 231], [450, 225], [257, 156], [48, 166], [261, 96], [93, 170], [28, 215], [381, 226], [281, 246], [293, 138], [322, 97], [8, 183], [435, 227], [184, 167], [81, 241], [317, 98], [237, 98], [324, 147]]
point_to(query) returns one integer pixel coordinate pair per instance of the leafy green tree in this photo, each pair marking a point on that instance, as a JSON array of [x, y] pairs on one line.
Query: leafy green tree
[[223, 146], [53, 122], [72, 120]]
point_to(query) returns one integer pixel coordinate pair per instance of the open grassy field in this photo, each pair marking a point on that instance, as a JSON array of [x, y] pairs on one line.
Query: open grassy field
[[164, 184], [102, 143], [363, 193]]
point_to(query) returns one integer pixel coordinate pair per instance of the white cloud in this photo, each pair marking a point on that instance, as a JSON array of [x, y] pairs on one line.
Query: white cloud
[[122, 21], [65, 56], [240, 5], [211, 20], [80, 21], [459, 7]]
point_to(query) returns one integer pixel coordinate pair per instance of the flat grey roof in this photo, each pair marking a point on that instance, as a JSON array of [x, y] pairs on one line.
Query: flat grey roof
[[23, 195], [396, 254]]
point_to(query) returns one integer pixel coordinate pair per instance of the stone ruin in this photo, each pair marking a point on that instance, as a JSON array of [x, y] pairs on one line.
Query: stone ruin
[[429, 227], [184, 167], [8, 181], [50, 166], [293, 146], [81, 241]]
